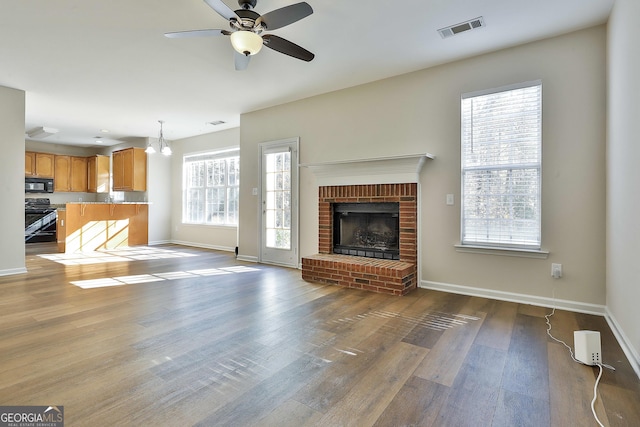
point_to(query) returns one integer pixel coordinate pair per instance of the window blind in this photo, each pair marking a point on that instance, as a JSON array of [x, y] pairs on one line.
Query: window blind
[[501, 155]]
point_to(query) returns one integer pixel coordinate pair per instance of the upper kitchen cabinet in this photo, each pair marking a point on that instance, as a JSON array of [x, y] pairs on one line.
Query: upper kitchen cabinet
[[98, 174], [70, 174], [39, 165], [129, 169], [62, 178], [78, 174]]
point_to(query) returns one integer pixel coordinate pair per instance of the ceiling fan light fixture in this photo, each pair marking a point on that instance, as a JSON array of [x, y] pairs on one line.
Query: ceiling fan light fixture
[[246, 42]]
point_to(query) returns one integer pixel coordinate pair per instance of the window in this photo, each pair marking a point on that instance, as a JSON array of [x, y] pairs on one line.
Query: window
[[501, 156], [277, 176], [211, 188]]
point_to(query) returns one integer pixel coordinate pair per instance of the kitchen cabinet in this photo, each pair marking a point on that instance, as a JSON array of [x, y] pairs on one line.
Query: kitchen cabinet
[[78, 174], [61, 230], [129, 169], [98, 174], [62, 176], [99, 226], [70, 174], [39, 165]]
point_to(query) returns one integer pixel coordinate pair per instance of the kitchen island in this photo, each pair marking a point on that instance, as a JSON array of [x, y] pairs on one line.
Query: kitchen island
[[91, 226]]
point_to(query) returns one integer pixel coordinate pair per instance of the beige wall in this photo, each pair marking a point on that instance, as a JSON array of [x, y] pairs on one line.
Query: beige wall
[[420, 112], [223, 238], [12, 104], [623, 175], [158, 194]]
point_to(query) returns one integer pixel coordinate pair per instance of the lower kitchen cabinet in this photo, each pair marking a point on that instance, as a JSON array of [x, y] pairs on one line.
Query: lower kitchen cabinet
[[95, 226], [61, 230]]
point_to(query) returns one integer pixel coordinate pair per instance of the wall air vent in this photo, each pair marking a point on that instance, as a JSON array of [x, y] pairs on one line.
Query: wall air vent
[[452, 30]]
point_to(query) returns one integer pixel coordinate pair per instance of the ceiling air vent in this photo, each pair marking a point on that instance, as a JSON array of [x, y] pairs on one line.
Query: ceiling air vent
[[452, 30]]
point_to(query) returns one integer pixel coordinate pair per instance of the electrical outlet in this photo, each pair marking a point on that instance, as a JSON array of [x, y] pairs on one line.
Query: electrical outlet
[[556, 271], [450, 199]]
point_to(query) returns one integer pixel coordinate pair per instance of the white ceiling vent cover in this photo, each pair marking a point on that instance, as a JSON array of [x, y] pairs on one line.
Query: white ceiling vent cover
[[452, 30]]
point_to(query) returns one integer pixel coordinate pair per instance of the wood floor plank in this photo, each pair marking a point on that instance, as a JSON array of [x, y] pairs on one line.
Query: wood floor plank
[[498, 325], [448, 354], [290, 413], [516, 409], [366, 401], [274, 391], [570, 401], [347, 368], [417, 403], [473, 397], [526, 370], [620, 406], [354, 350]]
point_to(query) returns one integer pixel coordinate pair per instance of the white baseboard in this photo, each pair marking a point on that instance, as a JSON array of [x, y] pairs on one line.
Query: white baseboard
[[626, 344], [159, 242], [248, 258], [12, 271], [580, 307], [203, 245]]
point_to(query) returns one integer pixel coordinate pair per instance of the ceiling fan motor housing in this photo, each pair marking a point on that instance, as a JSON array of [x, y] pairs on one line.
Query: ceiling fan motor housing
[[247, 4], [248, 19]]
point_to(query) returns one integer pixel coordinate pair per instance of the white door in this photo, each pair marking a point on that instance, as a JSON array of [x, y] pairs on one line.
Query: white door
[[279, 202]]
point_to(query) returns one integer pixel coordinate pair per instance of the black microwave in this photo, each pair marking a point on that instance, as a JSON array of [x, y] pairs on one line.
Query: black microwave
[[38, 185]]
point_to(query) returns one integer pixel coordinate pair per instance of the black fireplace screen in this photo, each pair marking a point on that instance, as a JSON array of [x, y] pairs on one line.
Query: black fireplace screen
[[366, 229]]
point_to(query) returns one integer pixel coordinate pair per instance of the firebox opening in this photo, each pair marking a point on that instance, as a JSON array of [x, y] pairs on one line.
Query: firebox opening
[[367, 229]]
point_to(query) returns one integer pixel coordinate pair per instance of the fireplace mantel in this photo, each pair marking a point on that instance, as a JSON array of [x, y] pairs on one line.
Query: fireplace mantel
[[379, 170]]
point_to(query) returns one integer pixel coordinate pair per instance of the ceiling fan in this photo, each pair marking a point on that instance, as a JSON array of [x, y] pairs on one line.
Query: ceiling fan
[[247, 27]]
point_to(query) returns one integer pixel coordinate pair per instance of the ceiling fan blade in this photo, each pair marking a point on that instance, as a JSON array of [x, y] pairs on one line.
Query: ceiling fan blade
[[241, 61], [196, 33], [224, 10], [286, 15], [288, 48]]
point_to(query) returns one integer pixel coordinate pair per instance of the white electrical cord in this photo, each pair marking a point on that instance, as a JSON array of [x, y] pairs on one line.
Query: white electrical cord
[[600, 365], [595, 395], [556, 339]]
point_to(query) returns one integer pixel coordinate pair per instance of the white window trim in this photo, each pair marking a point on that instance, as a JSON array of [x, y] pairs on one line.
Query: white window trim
[[504, 251], [209, 154], [500, 249]]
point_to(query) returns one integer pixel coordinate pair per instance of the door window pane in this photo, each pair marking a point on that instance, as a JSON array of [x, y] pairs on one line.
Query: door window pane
[[278, 200]]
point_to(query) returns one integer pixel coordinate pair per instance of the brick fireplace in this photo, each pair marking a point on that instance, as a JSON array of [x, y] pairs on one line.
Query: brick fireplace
[[396, 277]]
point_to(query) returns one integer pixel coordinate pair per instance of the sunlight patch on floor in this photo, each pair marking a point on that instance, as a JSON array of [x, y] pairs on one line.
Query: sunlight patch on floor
[[117, 255], [159, 277]]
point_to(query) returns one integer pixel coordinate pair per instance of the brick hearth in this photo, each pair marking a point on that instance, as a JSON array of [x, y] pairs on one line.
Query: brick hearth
[[394, 277]]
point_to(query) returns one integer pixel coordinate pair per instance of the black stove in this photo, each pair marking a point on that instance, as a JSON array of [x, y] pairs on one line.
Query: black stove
[[39, 220]]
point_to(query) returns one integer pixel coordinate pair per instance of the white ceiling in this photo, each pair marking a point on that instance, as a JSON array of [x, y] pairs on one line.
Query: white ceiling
[[88, 65]]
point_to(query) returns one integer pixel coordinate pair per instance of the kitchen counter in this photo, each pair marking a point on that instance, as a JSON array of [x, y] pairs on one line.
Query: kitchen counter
[[91, 226]]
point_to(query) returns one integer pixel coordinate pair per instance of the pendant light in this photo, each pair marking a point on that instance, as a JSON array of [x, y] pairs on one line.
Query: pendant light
[[150, 149], [163, 143]]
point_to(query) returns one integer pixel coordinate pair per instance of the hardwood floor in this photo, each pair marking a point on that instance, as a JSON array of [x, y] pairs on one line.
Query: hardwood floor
[[178, 336]]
